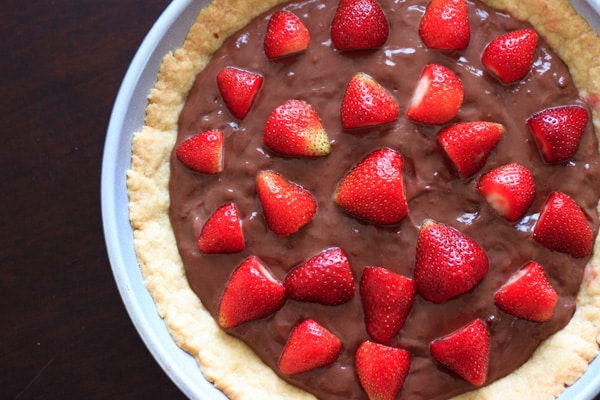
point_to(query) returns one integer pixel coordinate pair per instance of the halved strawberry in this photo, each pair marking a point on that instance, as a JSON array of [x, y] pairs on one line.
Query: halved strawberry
[[251, 293], [469, 144], [558, 130], [358, 25], [325, 279], [287, 206], [509, 189], [309, 346], [294, 129], [509, 57], [202, 152], [528, 294], [222, 232], [448, 263], [563, 226], [445, 25], [367, 103], [238, 89], [465, 351], [387, 298], [381, 369], [374, 190], [437, 97], [286, 35]]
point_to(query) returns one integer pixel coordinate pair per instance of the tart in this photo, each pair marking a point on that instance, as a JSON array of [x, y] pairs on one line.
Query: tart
[[452, 161]]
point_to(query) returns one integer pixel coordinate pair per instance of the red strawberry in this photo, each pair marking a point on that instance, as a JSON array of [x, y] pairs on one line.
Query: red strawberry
[[563, 226], [251, 293], [387, 298], [367, 103], [445, 25], [558, 130], [468, 144], [528, 294], [202, 152], [325, 279], [381, 369], [358, 25], [294, 129], [509, 189], [437, 97], [509, 57], [238, 89], [374, 190], [448, 262], [286, 35], [309, 346], [222, 232], [287, 206], [465, 351]]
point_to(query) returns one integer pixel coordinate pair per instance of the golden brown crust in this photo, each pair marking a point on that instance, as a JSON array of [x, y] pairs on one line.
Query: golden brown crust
[[226, 361]]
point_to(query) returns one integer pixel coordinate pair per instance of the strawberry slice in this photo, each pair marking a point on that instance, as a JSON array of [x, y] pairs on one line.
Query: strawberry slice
[[309, 346], [286, 35], [558, 130], [563, 226], [469, 144], [509, 189], [465, 351], [448, 262], [445, 25], [509, 57], [381, 369], [373, 189], [287, 206], [251, 293], [528, 294], [359, 25], [325, 279], [367, 103], [437, 97], [387, 298], [294, 129], [202, 152], [238, 89], [222, 232]]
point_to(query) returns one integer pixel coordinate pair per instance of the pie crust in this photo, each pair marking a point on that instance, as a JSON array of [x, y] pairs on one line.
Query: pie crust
[[229, 363]]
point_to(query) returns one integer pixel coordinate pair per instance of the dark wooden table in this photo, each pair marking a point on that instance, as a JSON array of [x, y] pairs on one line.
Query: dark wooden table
[[64, 332]]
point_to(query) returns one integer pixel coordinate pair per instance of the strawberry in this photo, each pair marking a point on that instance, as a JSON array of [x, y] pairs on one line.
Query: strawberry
[[563, 226], [558, 130], [445, 25], [374, 190], [222, 232], [528, 294], [359, 25], [381, 369], [294, 129], [437, 97], [509, 57], [287, 206], [325, 279], [202, 152], [387, 298], [509, 189], [469, 144], [238, 89], [465, 351], [251, 293], [448, 263], [286, 35], [367, 103], [309, 346]]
